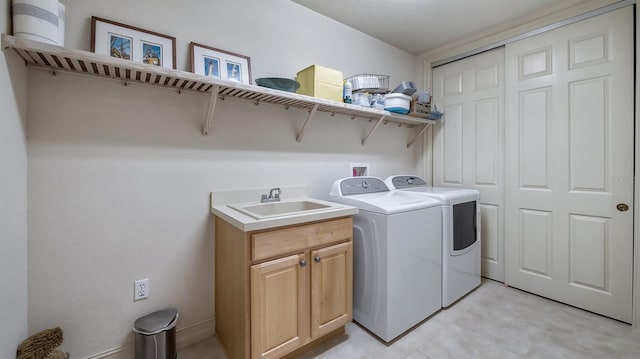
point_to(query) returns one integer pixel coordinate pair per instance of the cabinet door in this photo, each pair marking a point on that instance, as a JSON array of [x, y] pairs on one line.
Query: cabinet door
[[331, 288], [279, 306]]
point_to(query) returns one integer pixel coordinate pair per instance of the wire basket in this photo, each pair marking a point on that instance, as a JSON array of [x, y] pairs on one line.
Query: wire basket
[[369, 83]]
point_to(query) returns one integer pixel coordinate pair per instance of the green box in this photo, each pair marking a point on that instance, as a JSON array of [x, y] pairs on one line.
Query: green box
[[320, 81]]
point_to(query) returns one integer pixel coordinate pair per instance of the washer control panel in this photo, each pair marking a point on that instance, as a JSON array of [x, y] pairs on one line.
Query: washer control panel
[[407, 182], [362, 185]]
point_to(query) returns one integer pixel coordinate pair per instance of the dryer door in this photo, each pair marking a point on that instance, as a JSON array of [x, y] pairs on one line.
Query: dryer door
[[465, 228]]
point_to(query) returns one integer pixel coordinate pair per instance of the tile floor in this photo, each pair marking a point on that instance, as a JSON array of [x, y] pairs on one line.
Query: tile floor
[[491, 322]]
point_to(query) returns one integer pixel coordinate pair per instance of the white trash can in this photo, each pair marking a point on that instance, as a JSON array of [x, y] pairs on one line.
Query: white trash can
[[156, 335]]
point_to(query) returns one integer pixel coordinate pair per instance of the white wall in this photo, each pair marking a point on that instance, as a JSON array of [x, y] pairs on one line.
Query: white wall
[[13, 196], [281, 37], [636, 207], [119, 177]]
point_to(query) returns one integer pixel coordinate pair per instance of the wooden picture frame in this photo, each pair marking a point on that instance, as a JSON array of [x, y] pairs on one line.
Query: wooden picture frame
[[220, 64], [132, 43]]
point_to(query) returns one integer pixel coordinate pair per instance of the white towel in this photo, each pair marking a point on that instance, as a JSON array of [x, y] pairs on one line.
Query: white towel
[[36, 20]]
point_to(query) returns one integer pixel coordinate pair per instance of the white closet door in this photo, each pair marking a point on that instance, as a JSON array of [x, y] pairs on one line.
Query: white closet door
[[569, 164], [468, 144]]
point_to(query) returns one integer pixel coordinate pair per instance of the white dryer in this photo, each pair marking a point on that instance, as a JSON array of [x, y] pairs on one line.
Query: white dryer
[[461, 233], [397, 268]]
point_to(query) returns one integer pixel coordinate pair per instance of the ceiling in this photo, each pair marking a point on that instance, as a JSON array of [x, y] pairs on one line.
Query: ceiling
[[417, 26]]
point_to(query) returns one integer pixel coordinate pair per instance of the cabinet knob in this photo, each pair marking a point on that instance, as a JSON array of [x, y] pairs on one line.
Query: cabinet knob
[[317, 259], [622, 207], [303, 263]]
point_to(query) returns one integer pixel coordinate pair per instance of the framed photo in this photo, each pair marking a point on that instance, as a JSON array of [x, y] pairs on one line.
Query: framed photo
[[132, 43], [220, 64]]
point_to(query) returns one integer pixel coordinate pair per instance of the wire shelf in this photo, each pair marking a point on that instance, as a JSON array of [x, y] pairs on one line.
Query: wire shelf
[[371, 83]]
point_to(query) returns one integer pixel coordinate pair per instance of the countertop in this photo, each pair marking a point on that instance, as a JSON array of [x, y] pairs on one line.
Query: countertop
[[246, 223]]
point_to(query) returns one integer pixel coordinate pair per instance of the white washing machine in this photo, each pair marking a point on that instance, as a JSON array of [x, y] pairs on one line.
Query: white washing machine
[[460, 235], [397, 265]]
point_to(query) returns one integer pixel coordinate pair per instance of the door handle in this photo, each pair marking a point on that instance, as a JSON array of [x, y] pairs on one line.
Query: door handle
[[622, 207]]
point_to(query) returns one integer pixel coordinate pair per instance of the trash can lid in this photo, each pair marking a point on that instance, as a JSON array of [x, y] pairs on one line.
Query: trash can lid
[[156, 322]]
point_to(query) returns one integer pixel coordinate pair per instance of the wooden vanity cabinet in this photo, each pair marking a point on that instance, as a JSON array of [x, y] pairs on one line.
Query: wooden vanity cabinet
[[278, 290]]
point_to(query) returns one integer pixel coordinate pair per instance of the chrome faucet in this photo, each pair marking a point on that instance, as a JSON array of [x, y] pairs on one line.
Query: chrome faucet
[[271, 197]]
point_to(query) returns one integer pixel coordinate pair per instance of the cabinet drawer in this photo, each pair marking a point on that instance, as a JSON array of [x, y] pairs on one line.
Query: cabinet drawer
[[290, 240]]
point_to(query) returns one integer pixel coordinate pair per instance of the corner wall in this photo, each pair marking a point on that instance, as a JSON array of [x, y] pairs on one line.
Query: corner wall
[[13, 196]]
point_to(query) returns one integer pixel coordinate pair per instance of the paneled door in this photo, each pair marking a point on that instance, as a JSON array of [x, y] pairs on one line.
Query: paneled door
[[279, 306], [569, 164], [468, 144], [331, 280]]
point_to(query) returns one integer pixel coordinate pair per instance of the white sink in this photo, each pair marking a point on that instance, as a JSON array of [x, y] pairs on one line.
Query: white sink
[[279, 209]]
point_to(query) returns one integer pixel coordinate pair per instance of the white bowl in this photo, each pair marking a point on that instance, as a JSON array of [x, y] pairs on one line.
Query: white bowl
[[397, 102]]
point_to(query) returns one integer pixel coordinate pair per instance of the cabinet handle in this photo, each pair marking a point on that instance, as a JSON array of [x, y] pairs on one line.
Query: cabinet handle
[[317, 259], [303, 263]]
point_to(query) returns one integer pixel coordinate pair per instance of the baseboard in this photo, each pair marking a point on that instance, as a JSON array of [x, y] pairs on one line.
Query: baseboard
[[195, 333], [185, 336]]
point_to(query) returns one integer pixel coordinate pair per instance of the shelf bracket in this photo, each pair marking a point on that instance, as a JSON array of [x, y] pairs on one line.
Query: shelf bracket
[[366, 138], [306, 123], [424, 128], [208, 121]]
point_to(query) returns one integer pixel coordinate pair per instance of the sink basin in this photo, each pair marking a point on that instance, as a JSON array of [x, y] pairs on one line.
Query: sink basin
[[276, 209]]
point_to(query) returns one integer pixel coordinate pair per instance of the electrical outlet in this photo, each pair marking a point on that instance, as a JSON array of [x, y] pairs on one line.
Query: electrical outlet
[[141, 289]]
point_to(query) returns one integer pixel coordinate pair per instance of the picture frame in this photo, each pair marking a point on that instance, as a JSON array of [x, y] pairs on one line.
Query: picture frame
[[220, 64], [132, 43]]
